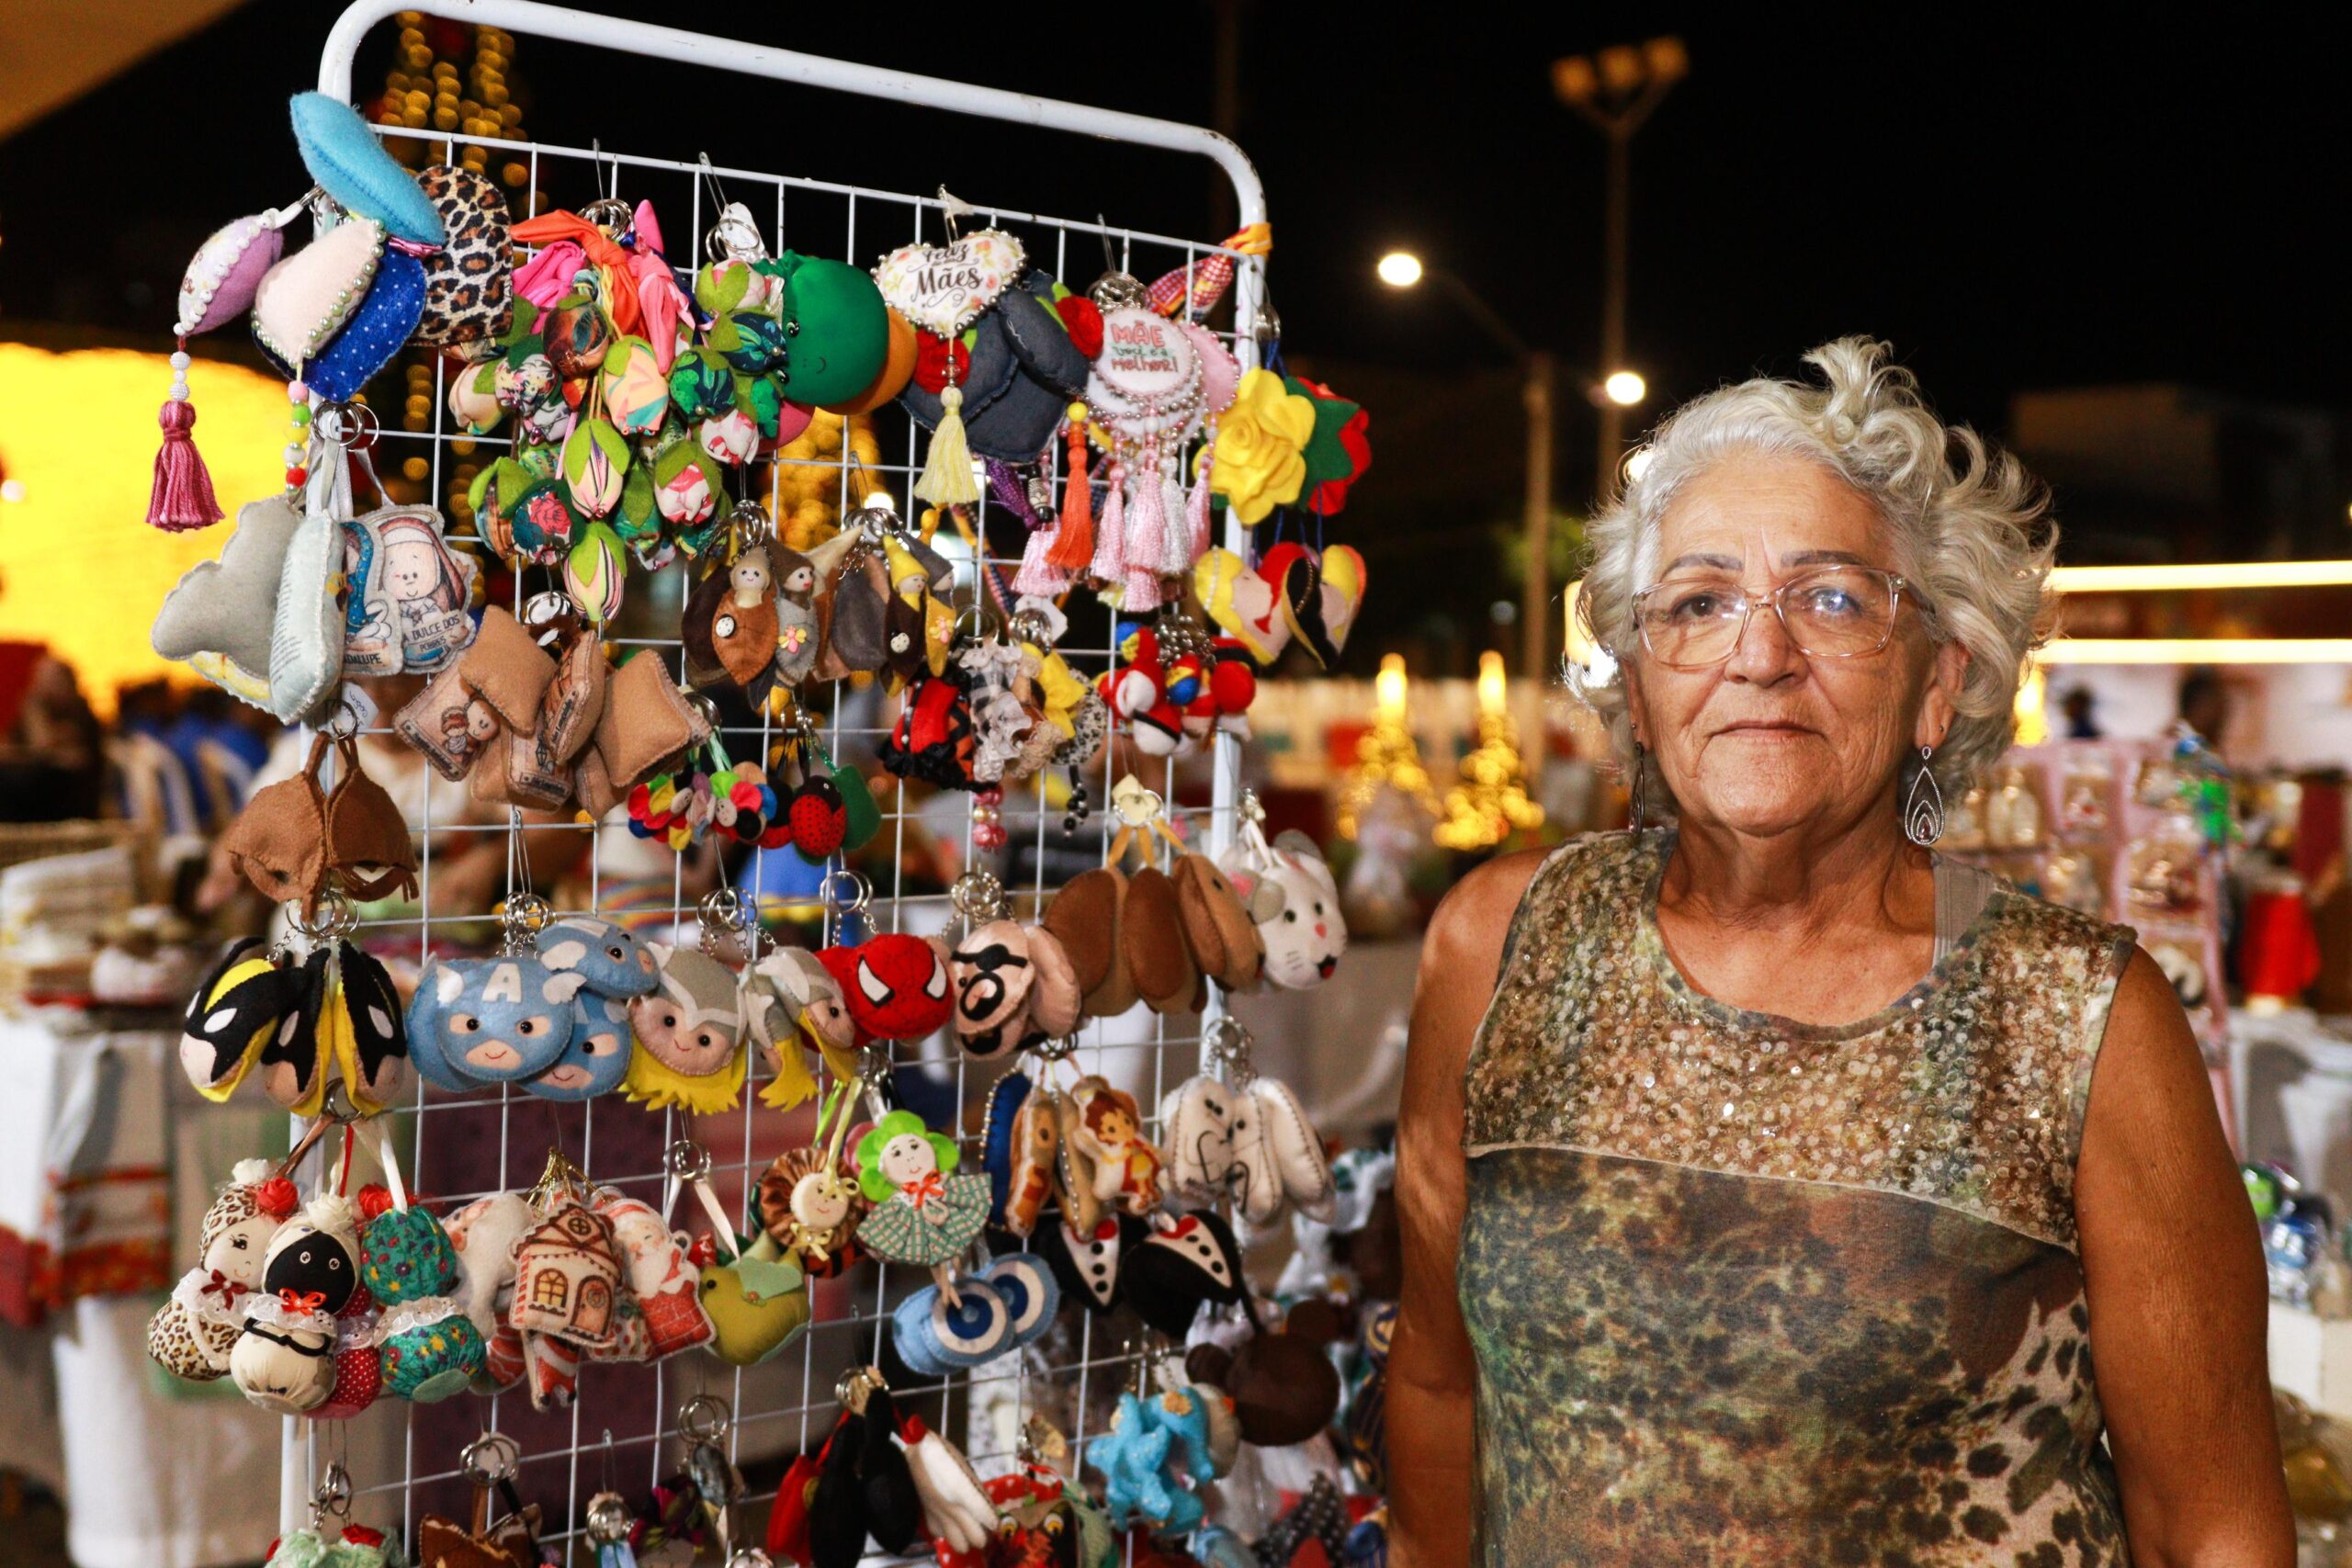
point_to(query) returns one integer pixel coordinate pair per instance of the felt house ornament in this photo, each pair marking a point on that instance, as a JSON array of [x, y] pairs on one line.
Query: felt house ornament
[[568, 1275]]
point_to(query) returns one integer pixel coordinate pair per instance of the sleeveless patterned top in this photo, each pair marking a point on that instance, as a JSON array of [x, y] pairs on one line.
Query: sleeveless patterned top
[[1747, 1291]]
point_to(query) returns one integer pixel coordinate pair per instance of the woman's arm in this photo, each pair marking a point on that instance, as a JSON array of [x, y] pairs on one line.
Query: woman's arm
[[2172, 1266], [1432, 1378]]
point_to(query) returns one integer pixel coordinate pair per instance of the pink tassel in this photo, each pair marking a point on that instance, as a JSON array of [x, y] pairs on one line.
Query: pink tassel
[[1142, 591], [1110, 561], [181, 498], [1179, 557], [1147, 521], [1196, 510], [1038, 575]]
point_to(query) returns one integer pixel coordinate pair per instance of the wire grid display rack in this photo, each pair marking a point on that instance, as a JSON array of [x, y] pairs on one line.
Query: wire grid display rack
[[787, 1405]]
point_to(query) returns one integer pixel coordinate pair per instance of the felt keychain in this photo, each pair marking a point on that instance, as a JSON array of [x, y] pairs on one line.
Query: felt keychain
[[431, 1349], [217, 286], [1222, 938], [942, 290], [326, 1541], [926, 1212], [1247, 1138], [409, 593], [733, 627], [505, 1018], [690, 1029], [664, 1285], [285, 1359], [1103, 1136], [792, 1005], [489, 1464], [1155, 1442], [569, 1281], [1020, 1145], [713, 795], [958, 1516], [293, 840], [192, 1333], [614, 968], [756, 1296], [1178, 1264], [1284, 1387], [1151, 945], [896, 986], [1291, 898]]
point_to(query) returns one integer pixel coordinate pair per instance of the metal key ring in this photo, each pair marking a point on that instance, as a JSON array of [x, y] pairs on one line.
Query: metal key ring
[[861, 892], [687, 1160], [492, 1458], [705, 1418]]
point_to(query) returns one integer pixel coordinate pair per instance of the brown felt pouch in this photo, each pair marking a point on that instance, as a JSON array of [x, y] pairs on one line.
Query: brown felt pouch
[[592, 787], [512, 765], [1074, 1169], [367, 841], [1085, 916], [279, 840], [855, 619], [1151, 938], [1217, 927], [508, 669], [647, 721], [573, 703]]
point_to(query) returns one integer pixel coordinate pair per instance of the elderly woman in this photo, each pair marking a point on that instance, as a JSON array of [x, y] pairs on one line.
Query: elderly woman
[[1771, 1186]]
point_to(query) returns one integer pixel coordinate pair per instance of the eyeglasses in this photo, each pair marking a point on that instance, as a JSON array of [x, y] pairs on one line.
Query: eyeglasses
[[1832, 611]]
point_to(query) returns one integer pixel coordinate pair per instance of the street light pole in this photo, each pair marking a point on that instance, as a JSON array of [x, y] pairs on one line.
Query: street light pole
[[1616, 91], [1536, 649]]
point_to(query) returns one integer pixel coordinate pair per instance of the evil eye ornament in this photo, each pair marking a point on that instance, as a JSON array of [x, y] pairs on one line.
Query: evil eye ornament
[[937, 1336], [1032, 1295]]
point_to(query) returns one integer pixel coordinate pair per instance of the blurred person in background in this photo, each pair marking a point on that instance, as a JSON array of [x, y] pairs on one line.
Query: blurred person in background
[[52, 748]]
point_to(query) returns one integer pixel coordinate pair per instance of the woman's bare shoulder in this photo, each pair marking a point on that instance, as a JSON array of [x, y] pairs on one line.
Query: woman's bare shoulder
[[1473, 916]]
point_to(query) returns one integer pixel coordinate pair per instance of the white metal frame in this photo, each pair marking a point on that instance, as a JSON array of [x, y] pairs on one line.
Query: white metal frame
[[301, 1450]]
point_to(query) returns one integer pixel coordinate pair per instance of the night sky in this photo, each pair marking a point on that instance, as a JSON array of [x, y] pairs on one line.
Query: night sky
[[2015, 205]]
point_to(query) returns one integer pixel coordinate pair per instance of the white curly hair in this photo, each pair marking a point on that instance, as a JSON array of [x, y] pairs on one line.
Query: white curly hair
[[1970, 530]]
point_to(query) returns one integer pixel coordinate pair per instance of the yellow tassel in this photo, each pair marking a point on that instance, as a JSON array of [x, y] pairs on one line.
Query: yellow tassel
[[947, 469]]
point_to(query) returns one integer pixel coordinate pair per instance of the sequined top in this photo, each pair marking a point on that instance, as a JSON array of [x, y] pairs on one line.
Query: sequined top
[[1744, 1289]]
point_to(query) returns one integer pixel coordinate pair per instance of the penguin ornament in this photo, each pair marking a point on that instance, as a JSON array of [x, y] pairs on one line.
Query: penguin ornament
[[283, 1360]]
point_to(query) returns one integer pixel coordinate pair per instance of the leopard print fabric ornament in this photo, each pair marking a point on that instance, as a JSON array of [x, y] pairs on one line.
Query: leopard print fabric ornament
[[469, 297], [1746, 1290]]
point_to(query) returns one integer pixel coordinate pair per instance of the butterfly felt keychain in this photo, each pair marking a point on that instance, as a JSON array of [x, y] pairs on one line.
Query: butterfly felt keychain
[[333, 1017]]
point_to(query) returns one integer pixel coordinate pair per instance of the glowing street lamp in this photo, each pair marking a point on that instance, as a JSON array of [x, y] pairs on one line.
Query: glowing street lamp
[[1625, 387], [1400, 269]]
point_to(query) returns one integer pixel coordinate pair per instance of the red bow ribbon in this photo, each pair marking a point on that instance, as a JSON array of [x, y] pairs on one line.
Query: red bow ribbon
[[303, 1301], [221, 1285], [932, 1185]]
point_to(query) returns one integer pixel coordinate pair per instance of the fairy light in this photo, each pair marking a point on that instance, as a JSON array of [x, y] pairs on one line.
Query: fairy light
[[1490, 801], [1388, 757]]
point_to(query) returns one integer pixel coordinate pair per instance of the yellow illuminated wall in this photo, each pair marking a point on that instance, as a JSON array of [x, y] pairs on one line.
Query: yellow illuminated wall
[[79, 568]]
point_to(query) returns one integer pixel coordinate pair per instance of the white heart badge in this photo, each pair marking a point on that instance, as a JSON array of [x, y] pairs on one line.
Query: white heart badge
[[942, 288]]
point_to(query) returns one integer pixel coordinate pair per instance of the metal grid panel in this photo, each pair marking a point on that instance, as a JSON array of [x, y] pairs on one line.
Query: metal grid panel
[[856, 223]]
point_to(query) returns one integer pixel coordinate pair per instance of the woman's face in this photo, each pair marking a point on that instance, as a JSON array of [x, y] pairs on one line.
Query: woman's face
[[1771, 741]]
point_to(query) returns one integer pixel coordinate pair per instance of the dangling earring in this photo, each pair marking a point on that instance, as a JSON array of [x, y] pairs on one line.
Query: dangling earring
[[1641, 772], [1922, 808]]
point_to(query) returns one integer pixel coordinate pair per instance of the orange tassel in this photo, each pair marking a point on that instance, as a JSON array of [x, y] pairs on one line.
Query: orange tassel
[[1074, 529]]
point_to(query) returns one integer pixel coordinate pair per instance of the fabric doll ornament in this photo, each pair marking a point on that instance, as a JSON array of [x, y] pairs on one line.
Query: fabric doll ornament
[[731, 627], [786, 997], [896, 986], [1292, 897], [1196, 1126], [925, 1211], [192, 1334], [812, 1205], [283, 1360], [431, 1349], [689, 1029]]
